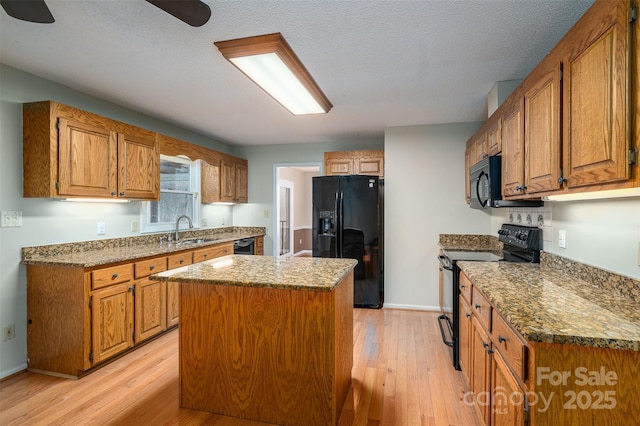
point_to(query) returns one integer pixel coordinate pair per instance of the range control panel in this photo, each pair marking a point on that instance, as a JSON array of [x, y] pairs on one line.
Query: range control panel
[[524, 237]]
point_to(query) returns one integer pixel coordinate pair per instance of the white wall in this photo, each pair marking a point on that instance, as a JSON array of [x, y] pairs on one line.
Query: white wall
[[46, 221], [424, 197]]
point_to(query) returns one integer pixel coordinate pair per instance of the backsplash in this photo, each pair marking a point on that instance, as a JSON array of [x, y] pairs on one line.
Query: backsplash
[[536, 216], [69, 248], [469, 242], [618, 284]]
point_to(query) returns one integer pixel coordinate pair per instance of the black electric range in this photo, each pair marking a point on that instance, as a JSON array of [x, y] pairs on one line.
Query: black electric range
[[520, 244]]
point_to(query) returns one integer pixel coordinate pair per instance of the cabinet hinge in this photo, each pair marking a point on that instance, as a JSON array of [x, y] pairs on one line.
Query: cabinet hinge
[[134, 337], [58, 124], [91, 356], [90, 302], [633, 14], [633, 157], [57, 185]]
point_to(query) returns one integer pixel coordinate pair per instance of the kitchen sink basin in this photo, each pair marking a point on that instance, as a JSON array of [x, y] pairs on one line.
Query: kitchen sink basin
[[195, 241]]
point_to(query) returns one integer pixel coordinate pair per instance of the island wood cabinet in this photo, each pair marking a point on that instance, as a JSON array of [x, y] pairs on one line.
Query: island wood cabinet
[[366, 162], [80, 317], [572, 126], [68, 152]]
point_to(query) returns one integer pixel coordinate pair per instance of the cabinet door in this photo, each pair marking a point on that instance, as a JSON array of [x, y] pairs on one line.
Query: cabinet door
[[173, 304], [465, 330], [372, 166], [338, 166], [542, 132], [467, 165], [259, 246], [241, 183], [212, 252], [494, 137], [480, 148], [227, 181], [210, 175], [112, 321], [151, 308], [480, 369], [87, 160], [595, 99], [508, 403], [138, 166], [513, 150]]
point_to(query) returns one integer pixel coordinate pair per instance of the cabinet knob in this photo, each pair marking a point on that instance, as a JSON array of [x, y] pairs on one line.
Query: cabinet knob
[[462, 286], [114, 276], [561, 180], [485, 345], [477, 306], [152, 267], [489, 351], [113, 192], [467, 314], [181, 261], [122, 194], [206, 255], [502, 339]]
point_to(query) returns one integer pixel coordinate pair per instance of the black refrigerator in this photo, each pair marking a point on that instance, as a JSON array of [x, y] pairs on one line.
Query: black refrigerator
[[347, 223]]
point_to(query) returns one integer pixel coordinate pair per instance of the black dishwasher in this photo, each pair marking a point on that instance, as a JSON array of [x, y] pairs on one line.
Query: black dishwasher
[[244, 246]]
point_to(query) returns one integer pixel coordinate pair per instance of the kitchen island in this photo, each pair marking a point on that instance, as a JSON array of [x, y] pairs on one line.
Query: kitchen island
[[265, 338]]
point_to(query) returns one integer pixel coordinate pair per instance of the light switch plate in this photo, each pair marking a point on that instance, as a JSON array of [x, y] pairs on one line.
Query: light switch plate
[[562, 239], [11, 219], [102, 228]]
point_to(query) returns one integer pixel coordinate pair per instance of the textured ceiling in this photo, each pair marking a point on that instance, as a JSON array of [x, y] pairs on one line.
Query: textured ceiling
[[381, 63]]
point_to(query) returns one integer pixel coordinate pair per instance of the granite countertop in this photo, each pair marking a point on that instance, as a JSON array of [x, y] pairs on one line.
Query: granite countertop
[[290, 273], [465, 242], [103, 252], [547, 305]]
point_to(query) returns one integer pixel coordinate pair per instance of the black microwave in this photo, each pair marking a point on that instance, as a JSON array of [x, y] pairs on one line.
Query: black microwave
[[485, 186]]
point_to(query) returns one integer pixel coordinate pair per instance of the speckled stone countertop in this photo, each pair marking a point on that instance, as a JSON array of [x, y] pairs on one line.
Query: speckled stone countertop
[[87, 254], [549, 305], [290, 273]]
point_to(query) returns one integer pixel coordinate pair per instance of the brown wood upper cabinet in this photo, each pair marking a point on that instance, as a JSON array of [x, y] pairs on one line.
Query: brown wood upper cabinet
[[225, 181], [596, 96], [68, 152], [368, 162], [572, 125]]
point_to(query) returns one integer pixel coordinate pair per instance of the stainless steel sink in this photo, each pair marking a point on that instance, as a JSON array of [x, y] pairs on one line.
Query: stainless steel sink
[[195, 241]]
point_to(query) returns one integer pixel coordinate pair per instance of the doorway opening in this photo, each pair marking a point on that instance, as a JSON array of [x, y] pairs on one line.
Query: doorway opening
[[293, 205]]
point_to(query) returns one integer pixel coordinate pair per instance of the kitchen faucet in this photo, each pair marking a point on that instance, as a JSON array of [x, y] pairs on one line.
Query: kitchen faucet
[[177, 234]]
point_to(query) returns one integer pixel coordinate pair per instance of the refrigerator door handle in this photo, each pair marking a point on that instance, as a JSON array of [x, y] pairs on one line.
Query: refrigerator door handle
[[336, 223]]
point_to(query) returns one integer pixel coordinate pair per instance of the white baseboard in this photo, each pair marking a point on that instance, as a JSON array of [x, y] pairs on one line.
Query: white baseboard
[[412, 307], [15, 370]]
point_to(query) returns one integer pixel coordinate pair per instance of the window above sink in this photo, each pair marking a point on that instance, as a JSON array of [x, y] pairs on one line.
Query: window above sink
[[179, 195]]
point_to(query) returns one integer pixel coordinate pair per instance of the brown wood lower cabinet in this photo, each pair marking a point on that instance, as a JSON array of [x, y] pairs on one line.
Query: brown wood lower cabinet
[[516, 382], [259, 246], [81, 317]]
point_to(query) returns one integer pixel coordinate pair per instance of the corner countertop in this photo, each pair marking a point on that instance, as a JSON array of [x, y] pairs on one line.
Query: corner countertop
[[88, 254], [548, 305], [289, 273]]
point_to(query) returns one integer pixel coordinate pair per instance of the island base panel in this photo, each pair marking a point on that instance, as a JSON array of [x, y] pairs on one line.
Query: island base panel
[[278, 356]]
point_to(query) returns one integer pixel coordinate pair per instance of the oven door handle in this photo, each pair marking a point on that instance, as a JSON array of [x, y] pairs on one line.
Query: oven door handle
[[445, 262], [449, 326]]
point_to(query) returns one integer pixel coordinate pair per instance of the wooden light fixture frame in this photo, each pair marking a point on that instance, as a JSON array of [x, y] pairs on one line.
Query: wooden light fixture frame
[[274, 43]]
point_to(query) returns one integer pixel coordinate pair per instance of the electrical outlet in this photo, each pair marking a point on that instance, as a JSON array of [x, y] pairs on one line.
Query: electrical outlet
[[8, 332], [562, 239], [134, 226], [266, 214], [204, 221], [222, 220], [102, 228]]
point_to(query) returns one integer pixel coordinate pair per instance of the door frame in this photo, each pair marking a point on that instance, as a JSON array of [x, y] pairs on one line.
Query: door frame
[[275, 224], [282, 183]]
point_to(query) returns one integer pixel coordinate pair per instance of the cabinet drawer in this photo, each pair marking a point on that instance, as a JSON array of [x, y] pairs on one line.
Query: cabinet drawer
[[145, 268], [465, 287], [482, 308], [180, 259], [109, 276], [510, 344], [212, 252]]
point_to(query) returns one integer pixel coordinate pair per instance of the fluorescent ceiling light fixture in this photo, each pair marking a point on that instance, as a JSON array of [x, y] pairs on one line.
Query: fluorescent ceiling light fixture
[[95, 200], [270, 62], [596, 195]]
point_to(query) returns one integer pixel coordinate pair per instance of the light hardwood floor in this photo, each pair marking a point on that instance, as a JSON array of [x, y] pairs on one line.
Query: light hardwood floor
[[402, 375]]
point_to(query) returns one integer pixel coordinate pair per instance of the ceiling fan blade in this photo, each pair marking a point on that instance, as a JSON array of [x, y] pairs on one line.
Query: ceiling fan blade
[[193, 12], [28, 10]]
